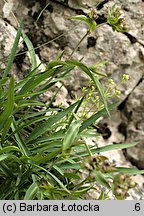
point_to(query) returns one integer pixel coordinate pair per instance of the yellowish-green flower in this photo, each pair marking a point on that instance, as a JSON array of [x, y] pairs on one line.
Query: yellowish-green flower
[[125, 77], [117, 92], [111, 81]]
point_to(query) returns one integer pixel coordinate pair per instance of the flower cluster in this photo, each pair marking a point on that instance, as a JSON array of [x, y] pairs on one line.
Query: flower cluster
[[112, 90], [116, 20], [121, 185], [125, 77], [98, 163], [92, 101]]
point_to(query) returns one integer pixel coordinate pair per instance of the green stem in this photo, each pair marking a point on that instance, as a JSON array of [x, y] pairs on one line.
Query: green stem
[[79, 43], [88, 149]]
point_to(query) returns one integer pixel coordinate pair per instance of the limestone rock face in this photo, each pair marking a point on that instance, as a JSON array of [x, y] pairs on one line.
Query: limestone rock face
[[133, 116], [7, 36], [123, 51]]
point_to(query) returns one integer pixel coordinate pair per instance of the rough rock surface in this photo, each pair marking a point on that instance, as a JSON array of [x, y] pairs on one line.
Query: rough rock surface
[[124, 53], [133, 116], [7, 36]]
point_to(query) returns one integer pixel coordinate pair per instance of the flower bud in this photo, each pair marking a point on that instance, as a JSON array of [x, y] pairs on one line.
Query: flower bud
[[117, 92], [111, 81], [125, 77]]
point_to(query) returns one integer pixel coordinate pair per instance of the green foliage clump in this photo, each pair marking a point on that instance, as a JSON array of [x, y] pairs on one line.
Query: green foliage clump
[[43, 148]]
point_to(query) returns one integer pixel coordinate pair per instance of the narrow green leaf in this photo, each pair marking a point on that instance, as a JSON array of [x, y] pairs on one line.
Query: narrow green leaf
[[9, 148], [13, 51], [6, 129], [35, 81], [55, 64], [101, 91], [69, 160], [9, 104], [80, 18], [90, 22], [40, 113], [101, 196], [31, 50], [59, 182], [25, 176], [102, 180], [48, 157], [45, 126], [82, 191], [79, 64], [55, 178], [8, 191], [75, 166], [72, 176], [59, 170], [2, 81], [59, 56], [31, 191], [23, 103], [95, 71], [26, 82], [20, 142], [31, 74], [16, 159], [84, 68], [46, 147], [24, 125], [4, 156], [76, 110], [5, 170], [116, 147], [131, 171], [108, 148], [70, 136]]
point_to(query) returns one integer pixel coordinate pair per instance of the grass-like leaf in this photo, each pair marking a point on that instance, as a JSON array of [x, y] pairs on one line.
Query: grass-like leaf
[[2, 81], [4, 156], [70, 136], [55, 178], [9, 149], [20, 142], [90, 22], [131, 171], [117, 146], [5, 170], [72, 175], [34, 82], [101, 179], [108, 148], [13, 51], [49, 157], [9, 104], [75, 110], [45, 126], [6, 129], [31, 50], [84, 68], [31, 191]]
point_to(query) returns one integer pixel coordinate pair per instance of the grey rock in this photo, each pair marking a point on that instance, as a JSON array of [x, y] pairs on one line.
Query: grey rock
[[81, 4], [7, 36], [133, 114], [124, 53]]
